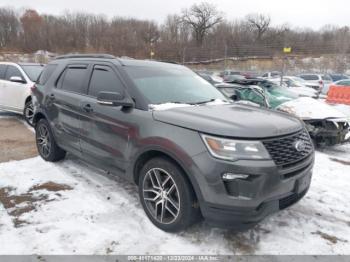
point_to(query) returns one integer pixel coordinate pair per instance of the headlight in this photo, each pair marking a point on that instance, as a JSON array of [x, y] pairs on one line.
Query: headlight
[[229, 149]]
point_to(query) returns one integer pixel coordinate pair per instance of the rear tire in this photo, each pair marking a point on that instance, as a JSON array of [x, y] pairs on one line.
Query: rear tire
[[46, 144], [166, 196], [28, 113]]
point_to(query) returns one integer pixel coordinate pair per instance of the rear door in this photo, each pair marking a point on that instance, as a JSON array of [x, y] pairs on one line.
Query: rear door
[[105, 129], [64, 105]]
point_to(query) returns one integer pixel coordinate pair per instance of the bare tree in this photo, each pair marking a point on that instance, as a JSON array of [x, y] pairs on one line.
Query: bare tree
[[201, 17], [9, 28], [259, 23], [31, 24]]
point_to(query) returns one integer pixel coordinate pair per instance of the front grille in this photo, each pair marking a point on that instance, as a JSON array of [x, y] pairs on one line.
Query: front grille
[[283, 150]]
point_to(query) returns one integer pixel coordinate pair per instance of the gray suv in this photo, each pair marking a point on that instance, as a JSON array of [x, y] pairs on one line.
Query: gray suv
[[192, 152]]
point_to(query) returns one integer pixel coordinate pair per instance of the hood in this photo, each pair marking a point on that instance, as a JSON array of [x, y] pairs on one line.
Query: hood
[[232, 120], [310, 109]]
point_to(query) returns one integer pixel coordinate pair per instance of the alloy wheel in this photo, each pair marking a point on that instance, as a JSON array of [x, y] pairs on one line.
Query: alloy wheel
[[44, 141], [29, 113], [161, 195]]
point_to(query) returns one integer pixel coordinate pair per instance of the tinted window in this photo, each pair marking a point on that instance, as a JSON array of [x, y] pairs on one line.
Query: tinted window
[[73, 79], [2, 71], [104, 79], [13, 71], [309, 77], [46, 74]]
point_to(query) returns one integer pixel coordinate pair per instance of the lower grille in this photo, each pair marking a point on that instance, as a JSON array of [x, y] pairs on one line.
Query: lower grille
[[285, 150], [291, 199]]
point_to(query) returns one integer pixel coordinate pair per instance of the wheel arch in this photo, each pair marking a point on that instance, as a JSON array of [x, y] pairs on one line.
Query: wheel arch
[[149, 154], [38, 116], [29, 98]]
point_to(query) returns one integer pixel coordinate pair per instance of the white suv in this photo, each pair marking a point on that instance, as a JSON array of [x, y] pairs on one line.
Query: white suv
[[16, 81], [318, 81]]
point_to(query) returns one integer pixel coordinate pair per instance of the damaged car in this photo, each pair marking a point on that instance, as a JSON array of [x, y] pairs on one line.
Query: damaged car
[[326, 125]]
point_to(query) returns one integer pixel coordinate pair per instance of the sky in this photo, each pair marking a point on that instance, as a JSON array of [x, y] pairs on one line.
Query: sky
[[298, 13]]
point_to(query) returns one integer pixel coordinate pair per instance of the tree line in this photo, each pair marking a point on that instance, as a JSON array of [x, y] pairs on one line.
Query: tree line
[[196, 33]]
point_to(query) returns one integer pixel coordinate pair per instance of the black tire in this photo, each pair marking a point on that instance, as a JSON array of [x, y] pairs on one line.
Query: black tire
[[188, 211], [53, 152], [28, 113]]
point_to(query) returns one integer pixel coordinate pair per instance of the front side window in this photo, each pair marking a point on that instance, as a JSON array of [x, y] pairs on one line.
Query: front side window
[[104, 79], [13, 71], [174, 84], [74, 78]]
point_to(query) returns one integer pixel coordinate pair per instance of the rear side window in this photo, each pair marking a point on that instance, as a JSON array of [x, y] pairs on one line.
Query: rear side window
[[74, 78], [2, 71], [309, 77], [46, 74], [13, 71], [104, 79]]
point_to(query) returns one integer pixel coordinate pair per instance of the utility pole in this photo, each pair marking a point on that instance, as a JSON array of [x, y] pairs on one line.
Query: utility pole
[[184, 56], [225, 61]]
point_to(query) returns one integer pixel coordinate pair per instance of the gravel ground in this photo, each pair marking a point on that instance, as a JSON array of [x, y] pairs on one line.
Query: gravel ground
[[16, 141]]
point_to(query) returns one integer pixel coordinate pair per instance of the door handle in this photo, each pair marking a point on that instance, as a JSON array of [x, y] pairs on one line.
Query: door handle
[[88, 108]]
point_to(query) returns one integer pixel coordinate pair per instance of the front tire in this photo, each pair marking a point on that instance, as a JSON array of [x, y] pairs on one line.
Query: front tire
[[166, 195], [28, 113], [46, 144]]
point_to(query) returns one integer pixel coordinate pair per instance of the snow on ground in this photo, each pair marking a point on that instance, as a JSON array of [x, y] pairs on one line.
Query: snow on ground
[[72, 208]]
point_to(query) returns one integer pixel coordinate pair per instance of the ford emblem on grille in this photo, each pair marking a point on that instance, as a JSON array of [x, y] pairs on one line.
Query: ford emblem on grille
[[299, 145]]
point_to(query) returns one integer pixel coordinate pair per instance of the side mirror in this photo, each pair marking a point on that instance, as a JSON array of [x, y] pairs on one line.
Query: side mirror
[[17, 79], [114, 99]]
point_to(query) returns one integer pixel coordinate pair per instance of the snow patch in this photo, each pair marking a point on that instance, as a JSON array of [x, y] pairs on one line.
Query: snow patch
[[166, 106], [308, 108]]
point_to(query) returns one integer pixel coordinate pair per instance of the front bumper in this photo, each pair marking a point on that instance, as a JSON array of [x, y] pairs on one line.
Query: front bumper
[[243, 203], [328, 132]]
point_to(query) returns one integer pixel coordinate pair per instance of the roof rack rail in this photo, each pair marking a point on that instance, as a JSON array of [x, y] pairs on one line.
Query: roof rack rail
[[85, 56]]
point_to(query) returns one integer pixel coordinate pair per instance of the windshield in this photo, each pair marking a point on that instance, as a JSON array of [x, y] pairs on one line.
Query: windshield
[[32, 71], [172, 85]]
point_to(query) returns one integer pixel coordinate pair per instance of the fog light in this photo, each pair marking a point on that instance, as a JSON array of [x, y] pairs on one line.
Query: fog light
[[231, 176]]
